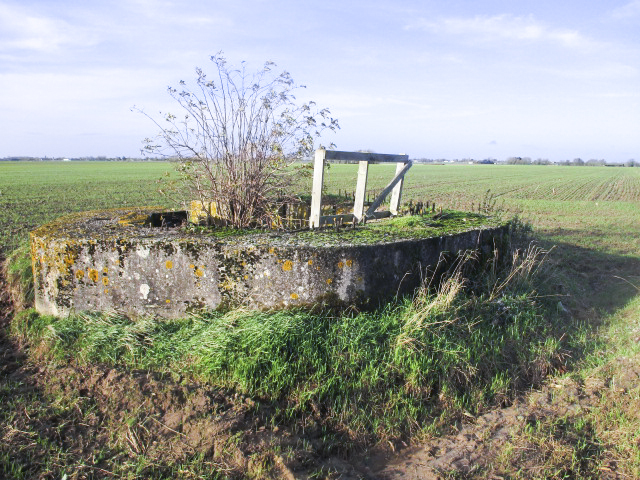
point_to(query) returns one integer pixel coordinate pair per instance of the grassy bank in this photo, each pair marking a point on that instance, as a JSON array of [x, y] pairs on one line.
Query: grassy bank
[[386, 374]]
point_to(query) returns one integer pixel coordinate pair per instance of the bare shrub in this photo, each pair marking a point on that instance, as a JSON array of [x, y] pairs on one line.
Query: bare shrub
[[237, 138]]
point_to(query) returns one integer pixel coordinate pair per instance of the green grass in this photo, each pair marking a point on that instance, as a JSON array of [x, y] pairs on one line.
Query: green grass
[[381, 374], [32, 193], [19, 277]]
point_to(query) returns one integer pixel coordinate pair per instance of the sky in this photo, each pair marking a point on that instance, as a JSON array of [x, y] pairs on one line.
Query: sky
[[434, 79]]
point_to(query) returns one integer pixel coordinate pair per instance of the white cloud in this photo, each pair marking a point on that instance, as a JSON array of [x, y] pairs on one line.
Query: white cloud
[[175, 14], [630, 10], [502, 27], [25, 30], [612, 71]]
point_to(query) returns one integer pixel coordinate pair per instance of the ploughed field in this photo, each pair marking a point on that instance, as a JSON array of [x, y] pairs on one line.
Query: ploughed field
[[591, 206]]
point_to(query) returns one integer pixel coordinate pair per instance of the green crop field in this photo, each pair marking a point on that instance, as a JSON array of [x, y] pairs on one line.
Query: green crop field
[[591, 206], [513, 182], [352, 380], [34, 193], [595, 206]]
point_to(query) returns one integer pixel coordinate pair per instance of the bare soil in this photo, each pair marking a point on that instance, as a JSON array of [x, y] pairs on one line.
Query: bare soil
[[470, 452]]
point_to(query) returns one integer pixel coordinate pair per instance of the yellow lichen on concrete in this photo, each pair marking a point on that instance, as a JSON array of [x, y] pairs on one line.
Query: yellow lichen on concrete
[[328, 210], [77, 251], [59, 256], [199, 211], [68, 260], [74, 225], [94, 275], [227, 284], [133, 218], [299, 212]]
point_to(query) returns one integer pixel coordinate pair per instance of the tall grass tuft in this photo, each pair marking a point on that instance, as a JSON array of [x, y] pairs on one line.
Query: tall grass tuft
[[19, 276], [525, 266]]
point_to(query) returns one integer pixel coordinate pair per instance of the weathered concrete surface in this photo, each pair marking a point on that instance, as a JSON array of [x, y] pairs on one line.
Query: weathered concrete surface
[[115, 260]]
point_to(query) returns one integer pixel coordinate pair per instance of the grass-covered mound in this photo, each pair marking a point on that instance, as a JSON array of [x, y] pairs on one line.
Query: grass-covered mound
[[455, 347]]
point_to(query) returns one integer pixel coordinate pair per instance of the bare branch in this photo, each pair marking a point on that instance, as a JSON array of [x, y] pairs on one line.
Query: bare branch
[[237, 138]]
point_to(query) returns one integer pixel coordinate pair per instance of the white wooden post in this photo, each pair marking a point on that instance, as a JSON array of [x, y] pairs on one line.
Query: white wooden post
[[387, 190], [361, 188], [396, 194], [316, 189]]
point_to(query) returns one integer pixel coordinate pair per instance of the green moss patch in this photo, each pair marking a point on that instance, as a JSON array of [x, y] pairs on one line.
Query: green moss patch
[[412, 227]]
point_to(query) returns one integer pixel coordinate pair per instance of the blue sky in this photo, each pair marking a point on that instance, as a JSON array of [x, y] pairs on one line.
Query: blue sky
[[455, 79]]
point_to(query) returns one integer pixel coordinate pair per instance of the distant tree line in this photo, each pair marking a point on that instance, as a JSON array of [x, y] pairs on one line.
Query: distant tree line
[[576, 162], [78, 159]]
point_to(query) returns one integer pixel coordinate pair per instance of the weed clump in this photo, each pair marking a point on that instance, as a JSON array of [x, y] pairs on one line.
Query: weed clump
[[19, 276]]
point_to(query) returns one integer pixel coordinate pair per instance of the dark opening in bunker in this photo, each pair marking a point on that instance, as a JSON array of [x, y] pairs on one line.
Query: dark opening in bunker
[[168, 219]]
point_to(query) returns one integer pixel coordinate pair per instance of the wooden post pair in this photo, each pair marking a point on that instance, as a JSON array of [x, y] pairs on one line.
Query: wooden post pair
[[403, 164]]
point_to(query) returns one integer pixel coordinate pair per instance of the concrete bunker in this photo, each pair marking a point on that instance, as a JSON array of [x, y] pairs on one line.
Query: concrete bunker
[[139, 262]]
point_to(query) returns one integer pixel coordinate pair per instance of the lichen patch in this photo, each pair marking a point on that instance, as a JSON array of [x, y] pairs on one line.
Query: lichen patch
[[94, 275]]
